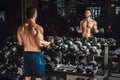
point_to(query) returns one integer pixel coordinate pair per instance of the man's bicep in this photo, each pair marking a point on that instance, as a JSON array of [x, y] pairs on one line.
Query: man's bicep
[[80, 27], [39, 38], [95, 27], [20, 42]]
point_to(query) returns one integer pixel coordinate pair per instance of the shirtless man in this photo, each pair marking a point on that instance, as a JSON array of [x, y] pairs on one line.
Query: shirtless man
[[30, 35], [87, 25]]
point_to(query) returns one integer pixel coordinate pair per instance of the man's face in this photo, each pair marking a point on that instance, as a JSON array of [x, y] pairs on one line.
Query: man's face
[[87, 13]]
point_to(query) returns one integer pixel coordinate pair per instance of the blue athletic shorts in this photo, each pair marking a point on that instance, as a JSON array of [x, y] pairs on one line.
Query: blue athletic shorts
[[34, 64]]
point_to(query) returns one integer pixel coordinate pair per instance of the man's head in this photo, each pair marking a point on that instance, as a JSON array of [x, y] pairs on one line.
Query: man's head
[[31, 12], [87, 13]]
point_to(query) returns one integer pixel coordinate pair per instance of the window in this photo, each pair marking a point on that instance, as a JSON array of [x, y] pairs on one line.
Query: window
[[95, 11], [117, 9], [2, 16], [60, 7]]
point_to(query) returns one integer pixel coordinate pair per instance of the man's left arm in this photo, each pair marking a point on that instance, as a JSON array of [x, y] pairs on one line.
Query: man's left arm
[[20, 42], [95, 27]]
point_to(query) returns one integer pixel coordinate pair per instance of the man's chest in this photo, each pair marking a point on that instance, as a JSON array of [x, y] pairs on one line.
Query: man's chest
[[88, 24]]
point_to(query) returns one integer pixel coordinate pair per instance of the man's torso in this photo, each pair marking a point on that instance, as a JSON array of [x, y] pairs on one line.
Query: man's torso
[[87, 26], [29, 37]]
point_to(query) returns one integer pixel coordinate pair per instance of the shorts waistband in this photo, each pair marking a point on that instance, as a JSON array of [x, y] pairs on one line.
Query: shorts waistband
[[32, 52]]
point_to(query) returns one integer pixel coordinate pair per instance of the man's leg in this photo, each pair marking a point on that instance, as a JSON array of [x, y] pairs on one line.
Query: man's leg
[[38, 78], [27, 78], [39, 66]]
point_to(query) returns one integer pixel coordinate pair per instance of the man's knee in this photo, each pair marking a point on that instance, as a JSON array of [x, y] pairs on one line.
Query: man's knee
[[38, 78]]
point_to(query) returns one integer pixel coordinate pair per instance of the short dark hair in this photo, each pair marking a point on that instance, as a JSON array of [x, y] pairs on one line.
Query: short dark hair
[[30, 12], [88, 9]]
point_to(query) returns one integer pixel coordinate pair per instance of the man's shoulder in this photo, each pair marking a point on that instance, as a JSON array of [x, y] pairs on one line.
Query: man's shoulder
[[94, 20], [82, 20], [39, 27], [21, 27]]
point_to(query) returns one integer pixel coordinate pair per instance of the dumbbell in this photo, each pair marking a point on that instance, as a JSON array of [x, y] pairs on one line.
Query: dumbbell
[[49, 38], [7, 53], [14, 48], [81, 66], [47, 48], [18, 60], [55, 59], [64, 48], [69, 42], [12, 67], [13, 70], [53, 62], [50, 66], [77, 39], [111, 41], [55, 47], [95, 48], [69, 38], [113, 65], [64, 38], [58, 40], [5, 47], [98, 45], [77, 29], [91, 68], [87, 44], [71, 29], [93, 40], [101, 30], [102, 41], [3, 69], [73, 48], [78, 43], [84, 39], [47, 58], [84, 50]]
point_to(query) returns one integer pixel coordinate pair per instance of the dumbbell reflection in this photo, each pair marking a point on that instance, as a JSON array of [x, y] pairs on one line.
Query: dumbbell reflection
[[81, 68], [92, 68]]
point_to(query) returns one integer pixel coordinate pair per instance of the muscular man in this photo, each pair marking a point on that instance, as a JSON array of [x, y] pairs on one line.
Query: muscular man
[[30, 35], [88, 25]]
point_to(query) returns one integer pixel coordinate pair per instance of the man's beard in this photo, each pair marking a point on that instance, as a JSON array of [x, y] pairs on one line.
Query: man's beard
[[87, 16]]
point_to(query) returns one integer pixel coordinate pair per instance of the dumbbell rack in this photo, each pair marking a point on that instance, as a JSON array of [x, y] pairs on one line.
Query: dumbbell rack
[[73, 76], [100, 75], [65, 75]]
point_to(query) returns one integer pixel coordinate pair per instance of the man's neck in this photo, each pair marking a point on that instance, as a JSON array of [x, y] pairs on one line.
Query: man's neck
[[88, 18], [32, 21]]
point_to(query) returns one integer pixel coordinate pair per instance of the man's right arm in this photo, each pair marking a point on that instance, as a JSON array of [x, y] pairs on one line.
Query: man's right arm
[[40, 40], [20, 42], [20, 47], [80, 30], [95, 27]]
